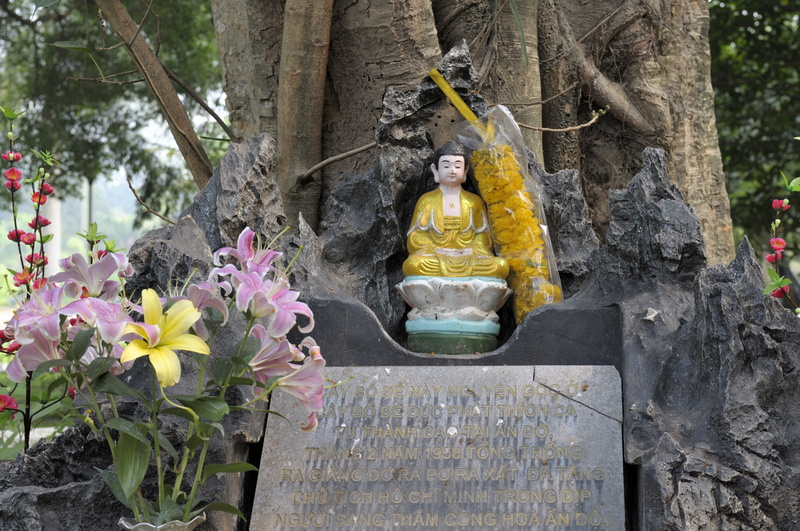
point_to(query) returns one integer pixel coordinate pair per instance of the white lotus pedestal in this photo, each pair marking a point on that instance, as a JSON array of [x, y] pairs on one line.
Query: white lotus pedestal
[[453, 315]]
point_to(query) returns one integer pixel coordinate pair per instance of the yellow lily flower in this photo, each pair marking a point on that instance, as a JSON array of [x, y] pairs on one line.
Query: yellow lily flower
[[162, 334]]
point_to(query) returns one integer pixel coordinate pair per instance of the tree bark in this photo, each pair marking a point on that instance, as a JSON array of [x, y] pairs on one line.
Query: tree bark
[[303, 67], [646, 60], [377, 44], [648, 63], [157, 79], [249, 36], [492, 32]]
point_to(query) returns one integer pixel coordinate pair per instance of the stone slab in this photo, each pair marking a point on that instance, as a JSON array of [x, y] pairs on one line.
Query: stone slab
[[516, 447], [555, 334]]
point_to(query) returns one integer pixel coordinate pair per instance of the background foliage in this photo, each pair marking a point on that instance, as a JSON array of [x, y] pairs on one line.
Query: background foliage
[[95, 127], [755, 47]]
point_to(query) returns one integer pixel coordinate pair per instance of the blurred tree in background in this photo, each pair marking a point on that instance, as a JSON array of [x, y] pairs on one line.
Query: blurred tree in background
[[84, 97], [755, 54]]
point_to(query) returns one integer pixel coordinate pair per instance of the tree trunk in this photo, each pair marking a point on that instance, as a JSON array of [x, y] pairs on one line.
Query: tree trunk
[[648, 61], [301, 91], [492, 32], [249, 36], [157, 79], [377, 44]]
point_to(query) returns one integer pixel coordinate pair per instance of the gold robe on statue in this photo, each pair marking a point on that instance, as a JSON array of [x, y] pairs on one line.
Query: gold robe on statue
[[440, 245]]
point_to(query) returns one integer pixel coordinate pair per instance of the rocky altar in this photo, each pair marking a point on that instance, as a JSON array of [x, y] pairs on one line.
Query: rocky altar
[[708, 364]]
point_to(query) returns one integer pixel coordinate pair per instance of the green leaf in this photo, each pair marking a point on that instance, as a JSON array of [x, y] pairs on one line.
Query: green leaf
[[110, 384], [72, 45], [178, 412], [237, 380], [100, 366], [113, 485], [220, 506], [47, 238], [61, 381], [11, 114], [132, 458], [80, 344], [207, 407], [773, 275], [227, 468], [250, 349], [127, 427], [169, 511], [45, 366], [220, 369], [794, 186], [776, 284], [165, 445]]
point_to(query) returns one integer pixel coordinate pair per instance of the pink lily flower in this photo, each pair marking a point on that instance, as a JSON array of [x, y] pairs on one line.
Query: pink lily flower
[[306, 385], [117, 368], [251, 259], [38, 348], [39, 313], [265, 298], [272, 358], [78, 274], [109, 318], [207, 295]]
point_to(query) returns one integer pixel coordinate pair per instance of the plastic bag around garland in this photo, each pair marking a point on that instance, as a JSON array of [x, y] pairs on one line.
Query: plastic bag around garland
[[515, 212]]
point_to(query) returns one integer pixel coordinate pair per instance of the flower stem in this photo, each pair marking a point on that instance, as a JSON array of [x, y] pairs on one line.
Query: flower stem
[[154, 432], [196, 483]]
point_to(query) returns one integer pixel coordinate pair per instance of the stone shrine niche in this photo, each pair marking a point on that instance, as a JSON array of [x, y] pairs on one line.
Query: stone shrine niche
[[362, 241]]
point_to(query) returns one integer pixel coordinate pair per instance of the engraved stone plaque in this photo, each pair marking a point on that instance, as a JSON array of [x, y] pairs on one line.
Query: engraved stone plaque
[[513, 447]]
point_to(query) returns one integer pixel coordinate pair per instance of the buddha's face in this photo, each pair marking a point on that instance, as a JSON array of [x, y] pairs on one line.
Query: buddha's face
[[452, 170]]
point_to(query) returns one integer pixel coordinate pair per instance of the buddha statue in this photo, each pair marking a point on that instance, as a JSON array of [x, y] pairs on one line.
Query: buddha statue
[[453, 281], [449, 234]]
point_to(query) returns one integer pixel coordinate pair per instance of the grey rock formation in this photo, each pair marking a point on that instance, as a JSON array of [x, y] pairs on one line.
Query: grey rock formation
[[709, 364], [55, 486]]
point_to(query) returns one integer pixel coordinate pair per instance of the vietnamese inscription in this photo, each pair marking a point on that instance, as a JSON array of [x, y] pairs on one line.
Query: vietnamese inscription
[[450, 447]]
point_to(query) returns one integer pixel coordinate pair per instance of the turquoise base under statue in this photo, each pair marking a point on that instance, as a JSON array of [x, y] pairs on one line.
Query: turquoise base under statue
[[453, 315]]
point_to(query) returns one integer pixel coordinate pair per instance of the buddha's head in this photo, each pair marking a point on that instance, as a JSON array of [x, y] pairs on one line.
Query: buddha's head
[[450, 166]]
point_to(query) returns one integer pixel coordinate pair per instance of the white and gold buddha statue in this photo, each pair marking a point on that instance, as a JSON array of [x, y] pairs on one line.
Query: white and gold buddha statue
[[454, 282]]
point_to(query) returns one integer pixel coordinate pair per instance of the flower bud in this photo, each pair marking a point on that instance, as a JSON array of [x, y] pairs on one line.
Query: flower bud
[[780, 292], [13, 185], [774, 257], [780, 204]]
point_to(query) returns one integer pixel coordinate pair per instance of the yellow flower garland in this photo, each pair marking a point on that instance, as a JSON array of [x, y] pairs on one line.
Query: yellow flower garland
[[516, 229]]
